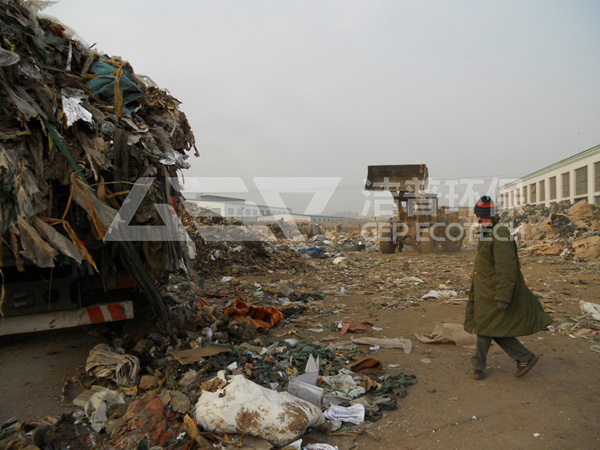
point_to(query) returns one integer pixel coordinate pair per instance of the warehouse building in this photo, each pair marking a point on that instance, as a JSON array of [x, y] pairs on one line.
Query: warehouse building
[[238, 208], [572, 179]]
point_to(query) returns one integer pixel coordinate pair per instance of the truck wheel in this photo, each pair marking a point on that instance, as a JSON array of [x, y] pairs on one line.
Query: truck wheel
[[452, 246], [427, 244], [386, 245]]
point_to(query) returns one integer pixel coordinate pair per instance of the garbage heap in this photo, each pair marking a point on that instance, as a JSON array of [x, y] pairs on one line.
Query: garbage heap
[[78, 129], [566, 230], [334, 244], [227, 246], [233, 378]]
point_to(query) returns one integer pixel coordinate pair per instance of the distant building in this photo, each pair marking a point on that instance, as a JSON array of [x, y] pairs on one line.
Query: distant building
[[305, 218], [234, 207], [573, 179]]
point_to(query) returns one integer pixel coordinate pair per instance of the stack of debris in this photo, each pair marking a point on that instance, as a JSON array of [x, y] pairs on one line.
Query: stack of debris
[[571, 231], [334, 244], [216, 387], [78, 129], [228, 247]]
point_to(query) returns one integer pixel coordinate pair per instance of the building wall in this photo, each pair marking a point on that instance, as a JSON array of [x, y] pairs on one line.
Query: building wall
[[574, 180], [239, 209], [306, 218]]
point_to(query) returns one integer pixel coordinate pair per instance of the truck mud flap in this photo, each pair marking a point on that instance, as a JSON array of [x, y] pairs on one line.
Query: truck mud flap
[[66, 319]]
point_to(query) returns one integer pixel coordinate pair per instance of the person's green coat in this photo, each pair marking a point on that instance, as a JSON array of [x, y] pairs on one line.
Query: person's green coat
[[497, 277]]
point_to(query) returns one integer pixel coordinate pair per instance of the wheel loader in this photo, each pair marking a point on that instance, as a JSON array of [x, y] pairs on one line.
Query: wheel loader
[[420, 222]]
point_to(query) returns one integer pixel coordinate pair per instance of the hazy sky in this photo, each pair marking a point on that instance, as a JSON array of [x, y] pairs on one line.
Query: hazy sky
[[473, 89]]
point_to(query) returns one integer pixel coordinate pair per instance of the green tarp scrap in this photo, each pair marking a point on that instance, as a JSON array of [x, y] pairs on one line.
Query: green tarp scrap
[[114, 85], [398, 384]]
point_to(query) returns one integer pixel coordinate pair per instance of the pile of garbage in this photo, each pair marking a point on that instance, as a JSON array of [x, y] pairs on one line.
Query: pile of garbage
[[566, 230], [225, 381], [79, 129], [225, 246], [335, 244]]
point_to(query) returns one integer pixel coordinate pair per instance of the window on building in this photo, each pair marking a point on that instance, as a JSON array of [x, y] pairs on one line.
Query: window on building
[[239, 211], [581, 181], [524, 191], [532, 193], [566, 185], [542, 190], [597, 176], [552, 188], [230, 211]]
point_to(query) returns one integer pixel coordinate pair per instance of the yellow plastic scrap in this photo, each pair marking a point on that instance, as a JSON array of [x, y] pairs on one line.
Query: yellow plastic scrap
[[118, 73], [74, 239]]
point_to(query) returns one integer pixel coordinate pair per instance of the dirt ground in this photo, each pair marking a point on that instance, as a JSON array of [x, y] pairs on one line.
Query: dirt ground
[[555, 406]]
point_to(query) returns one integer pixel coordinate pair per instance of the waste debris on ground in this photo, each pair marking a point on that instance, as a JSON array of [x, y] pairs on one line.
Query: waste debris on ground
[[564, 229], [449, 332], [244, 407], [260, 333]]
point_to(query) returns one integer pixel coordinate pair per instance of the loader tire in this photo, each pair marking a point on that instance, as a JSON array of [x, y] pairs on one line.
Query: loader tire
[[386, 245], [427, 244], [452, 246]]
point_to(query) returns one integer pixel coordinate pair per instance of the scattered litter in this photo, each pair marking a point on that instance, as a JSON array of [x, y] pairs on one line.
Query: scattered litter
[[411, 280], [103, 361], [439, 295], [258, 317], [356, 327], [353, 414], [366, 363], [320, 447], [591, 309], [195, 355], [96, 408], [405, 344], [449, 332]]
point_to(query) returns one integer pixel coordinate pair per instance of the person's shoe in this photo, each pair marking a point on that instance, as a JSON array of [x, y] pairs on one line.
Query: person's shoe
[[478, 374], [525, 366]]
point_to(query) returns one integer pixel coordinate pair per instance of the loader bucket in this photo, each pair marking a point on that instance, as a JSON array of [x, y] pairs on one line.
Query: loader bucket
[[400, 178]]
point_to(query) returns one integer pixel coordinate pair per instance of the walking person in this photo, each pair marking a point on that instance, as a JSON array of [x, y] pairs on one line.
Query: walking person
[[501, 306]]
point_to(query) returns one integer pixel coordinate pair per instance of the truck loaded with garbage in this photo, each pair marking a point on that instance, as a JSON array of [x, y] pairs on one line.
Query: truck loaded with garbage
[[80, 131]]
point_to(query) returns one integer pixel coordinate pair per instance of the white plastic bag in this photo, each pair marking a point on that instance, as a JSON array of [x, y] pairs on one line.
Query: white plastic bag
[[244, 407]]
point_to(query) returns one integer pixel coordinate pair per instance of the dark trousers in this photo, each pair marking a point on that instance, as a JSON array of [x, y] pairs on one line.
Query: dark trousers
[[511, 345]]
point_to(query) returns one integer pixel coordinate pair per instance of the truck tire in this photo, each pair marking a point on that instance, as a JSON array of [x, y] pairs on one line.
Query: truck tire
[[386, 245], [427, 244]]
